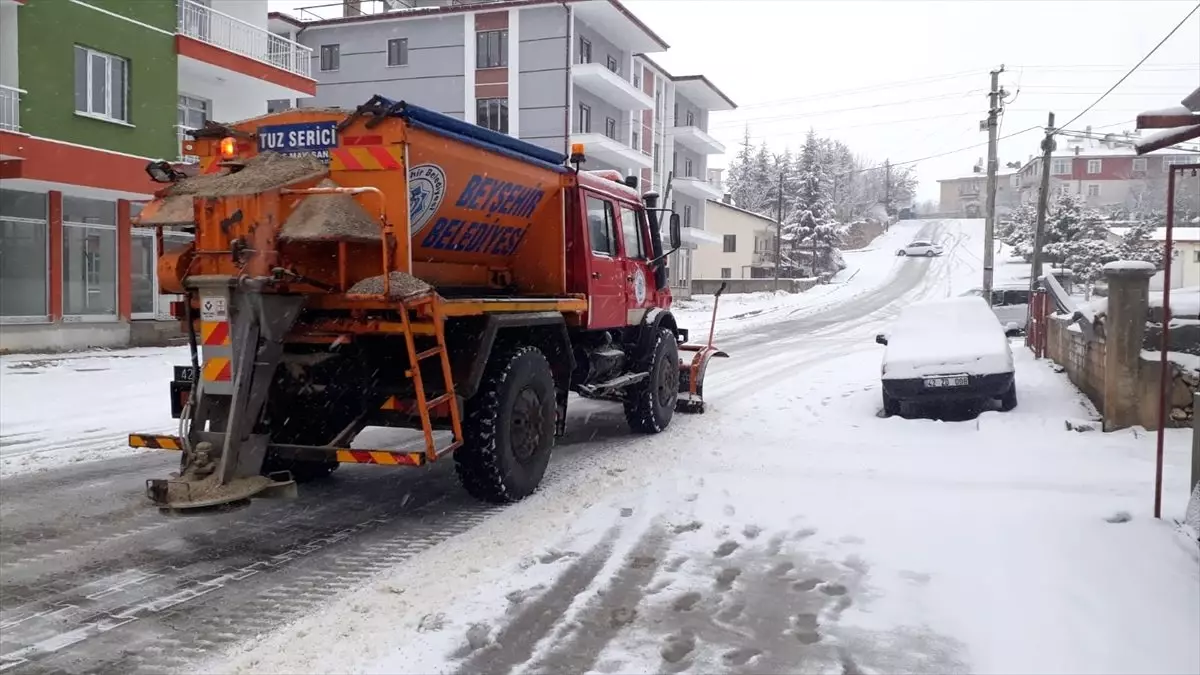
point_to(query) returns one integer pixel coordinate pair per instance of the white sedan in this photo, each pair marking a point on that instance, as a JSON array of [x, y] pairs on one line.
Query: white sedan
[[921, 248]]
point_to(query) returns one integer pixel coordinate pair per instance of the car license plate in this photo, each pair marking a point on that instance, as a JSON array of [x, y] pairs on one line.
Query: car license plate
[[309, 138], [943, 382]]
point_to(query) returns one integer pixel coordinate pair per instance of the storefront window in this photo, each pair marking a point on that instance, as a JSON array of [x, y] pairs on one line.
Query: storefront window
[[142, 263], [89, 257], [24, 257]]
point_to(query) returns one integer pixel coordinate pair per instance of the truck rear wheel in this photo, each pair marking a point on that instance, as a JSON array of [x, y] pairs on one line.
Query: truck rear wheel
[[650, 404], [508, 428]]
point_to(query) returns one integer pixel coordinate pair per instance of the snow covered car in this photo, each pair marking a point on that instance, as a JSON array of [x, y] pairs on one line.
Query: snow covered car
[[941, 351], [921, 247], [1010, 304]]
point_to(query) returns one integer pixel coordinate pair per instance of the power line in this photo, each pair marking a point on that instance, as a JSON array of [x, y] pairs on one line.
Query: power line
[[938, 155], [1136, 66], [818, 113], [837, 93]]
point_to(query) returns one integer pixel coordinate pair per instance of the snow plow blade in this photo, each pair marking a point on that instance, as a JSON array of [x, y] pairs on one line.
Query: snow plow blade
[[691, 371]]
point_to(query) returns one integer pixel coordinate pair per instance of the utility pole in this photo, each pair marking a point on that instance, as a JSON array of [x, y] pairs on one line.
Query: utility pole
[[779, 229], [995, 96], [887, 194], [1039, 232]]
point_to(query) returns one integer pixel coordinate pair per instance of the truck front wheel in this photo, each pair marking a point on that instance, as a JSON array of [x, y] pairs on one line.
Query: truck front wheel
[[650, 404], [508, 428]]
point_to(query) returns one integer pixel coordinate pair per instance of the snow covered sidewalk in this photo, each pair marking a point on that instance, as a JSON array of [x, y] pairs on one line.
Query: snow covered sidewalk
[[803, 533], [65, 408]]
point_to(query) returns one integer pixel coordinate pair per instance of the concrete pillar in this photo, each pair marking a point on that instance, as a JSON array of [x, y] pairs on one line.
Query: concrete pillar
[[1128, 299]]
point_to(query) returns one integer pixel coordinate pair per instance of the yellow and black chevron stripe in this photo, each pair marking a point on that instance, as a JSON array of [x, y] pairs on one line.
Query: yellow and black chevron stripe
[[154, 442]]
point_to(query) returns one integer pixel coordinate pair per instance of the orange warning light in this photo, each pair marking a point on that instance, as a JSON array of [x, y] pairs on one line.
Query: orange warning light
[[577, 148], [228, 147]]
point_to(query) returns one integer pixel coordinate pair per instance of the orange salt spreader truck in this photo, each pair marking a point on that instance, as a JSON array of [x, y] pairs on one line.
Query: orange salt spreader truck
[[393, 266]]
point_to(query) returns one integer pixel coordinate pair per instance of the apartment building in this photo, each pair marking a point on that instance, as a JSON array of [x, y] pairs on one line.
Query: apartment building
[[966, 196], [548, 72], [1104, 170], [90, 91]]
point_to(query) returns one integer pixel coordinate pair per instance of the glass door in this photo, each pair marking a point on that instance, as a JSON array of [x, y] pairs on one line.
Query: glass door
[[143, 273]]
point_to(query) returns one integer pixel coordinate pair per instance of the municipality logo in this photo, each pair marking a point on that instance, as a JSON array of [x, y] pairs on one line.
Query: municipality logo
[[426, 190]]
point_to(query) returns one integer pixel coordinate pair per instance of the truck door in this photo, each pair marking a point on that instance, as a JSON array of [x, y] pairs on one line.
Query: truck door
[[606, 275], [640, 292]]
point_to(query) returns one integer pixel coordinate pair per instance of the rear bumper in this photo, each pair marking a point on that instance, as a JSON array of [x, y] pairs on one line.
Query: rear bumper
[[978, 387]]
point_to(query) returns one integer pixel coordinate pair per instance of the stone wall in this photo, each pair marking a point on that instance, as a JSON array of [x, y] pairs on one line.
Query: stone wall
[[1084, 365], [1083, 360], [710, 286]]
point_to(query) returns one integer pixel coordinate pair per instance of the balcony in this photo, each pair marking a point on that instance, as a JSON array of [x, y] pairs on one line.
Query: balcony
[[696, 139], [610, 87], [611, 151], [696, 188], [10, 108], [218, 29]]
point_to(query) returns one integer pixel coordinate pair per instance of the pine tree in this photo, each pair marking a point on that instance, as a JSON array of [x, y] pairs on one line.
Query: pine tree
[[810, 230], [1077, 238]]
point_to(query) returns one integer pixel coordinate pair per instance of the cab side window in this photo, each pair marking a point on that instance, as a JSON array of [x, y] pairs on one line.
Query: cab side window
[[602, 226], [1016, 297], [632, 228]]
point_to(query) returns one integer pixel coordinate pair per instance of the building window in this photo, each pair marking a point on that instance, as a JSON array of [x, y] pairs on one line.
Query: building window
[[585, 119], [687, 216], [1094, 165], [24, 257], [1139, 165], [492, 113], [637, 142], [1168, 162], [1061, 167], [675, 162], [613, 65], [637, 78], [687, 167], [726, 273], [331, 57], [691, 119], [632, 232], [1094, 190], [101, 84], [1196, 255], [1014, 180], [585, 50], [675, 114], [89, 257], [1064, 189], [279, 105], [610, 127], [194, 112], [657, 153], [600, 226], [730, 243], [398, 52], [491, 49]]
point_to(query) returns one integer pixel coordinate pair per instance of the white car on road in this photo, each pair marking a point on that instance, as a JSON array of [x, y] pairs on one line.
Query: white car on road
[[943, 351], [921, 247]]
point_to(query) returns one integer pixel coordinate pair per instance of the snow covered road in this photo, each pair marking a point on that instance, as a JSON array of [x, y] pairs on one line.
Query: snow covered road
[[789, 529]]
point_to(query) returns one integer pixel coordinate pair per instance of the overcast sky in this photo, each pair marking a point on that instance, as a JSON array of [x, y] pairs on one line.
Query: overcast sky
[[903, 80]]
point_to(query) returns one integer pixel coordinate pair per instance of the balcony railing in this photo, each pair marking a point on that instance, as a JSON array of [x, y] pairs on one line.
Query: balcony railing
[[10, 108], [206, 24]]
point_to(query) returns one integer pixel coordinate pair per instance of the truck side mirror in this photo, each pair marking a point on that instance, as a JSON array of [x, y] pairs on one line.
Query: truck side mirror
[[881, 339], [676, 232]]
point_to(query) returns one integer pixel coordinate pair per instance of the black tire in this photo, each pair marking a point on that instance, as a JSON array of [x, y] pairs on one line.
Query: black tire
[[508, 427], [891, 406], [930, 254], [650, 404], [1009, 400], [901, 253]]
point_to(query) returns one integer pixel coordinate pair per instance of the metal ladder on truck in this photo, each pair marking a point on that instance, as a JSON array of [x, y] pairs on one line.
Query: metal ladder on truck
[[428, 306]]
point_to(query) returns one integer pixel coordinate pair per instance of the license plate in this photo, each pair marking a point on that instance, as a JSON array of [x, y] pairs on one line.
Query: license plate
[[309, 138], [942, 382]]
